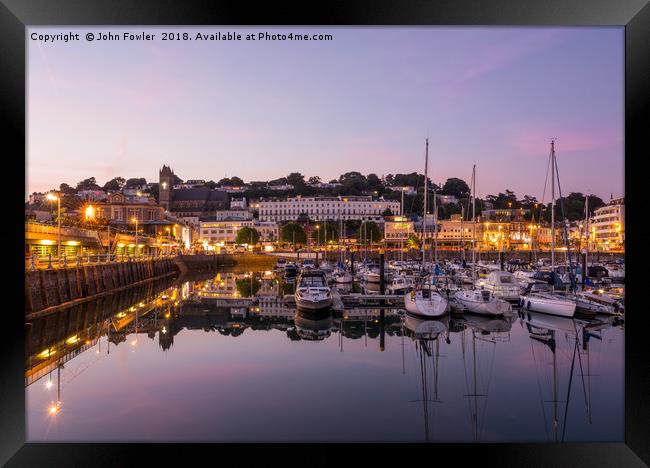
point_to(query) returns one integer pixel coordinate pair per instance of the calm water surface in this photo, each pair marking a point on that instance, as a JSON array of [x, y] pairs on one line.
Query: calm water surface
[[224, 359]]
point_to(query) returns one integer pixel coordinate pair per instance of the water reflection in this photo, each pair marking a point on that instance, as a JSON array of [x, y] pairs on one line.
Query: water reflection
[[526, 376]]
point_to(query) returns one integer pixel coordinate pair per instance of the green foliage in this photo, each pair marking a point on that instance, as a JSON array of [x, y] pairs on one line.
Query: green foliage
[[88, 184], [574, 207], [66, 189], [456, 187], [246, 234], [290, 230], [387, 212], [231, 182], [414, 242], [318, 235], [135, 182], [369, 231], [115, 184], [296, 179]]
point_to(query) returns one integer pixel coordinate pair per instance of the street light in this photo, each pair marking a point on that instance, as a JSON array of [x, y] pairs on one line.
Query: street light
[[52, 197], [135, 220]]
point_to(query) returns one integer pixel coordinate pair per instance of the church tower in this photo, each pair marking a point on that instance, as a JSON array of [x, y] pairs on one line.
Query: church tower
[[166, 177]]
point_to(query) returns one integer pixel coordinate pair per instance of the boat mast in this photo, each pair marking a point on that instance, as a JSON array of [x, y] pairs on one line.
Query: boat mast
[[474, 224], [552, 204], [586, 231], [435, 226], [462, 232], [424, 214]]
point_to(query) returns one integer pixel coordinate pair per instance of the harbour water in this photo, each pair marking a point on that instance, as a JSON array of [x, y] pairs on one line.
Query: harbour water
[[223, 358]]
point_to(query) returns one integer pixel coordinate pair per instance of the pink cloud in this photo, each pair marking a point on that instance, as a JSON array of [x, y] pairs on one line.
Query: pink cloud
[[531, 141], [489, 57]]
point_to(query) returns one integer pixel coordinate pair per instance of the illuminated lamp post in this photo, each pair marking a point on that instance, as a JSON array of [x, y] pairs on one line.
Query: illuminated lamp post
[[135, 220], [52, 197]]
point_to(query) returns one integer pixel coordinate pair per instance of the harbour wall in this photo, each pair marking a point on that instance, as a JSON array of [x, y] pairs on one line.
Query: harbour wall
[[202, 263], [45, 290]]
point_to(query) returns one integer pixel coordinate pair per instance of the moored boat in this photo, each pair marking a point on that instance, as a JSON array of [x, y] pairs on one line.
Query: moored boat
[[312, 291]]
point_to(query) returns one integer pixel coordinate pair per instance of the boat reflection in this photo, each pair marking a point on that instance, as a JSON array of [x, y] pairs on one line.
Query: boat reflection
[[313, 325], [554, 339]]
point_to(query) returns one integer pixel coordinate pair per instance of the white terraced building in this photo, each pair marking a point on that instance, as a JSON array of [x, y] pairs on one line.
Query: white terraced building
[[362, 208], [607, 225]]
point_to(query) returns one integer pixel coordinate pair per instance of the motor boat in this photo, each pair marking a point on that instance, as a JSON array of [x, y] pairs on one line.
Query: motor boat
[[502, 284], [597, 302], [281, 263], [341, 276], [425, 302], [481, 301], [308, 264], [615, 271], [371, 275], [540, 297], [290, 270], [399, 285], [312, 292]]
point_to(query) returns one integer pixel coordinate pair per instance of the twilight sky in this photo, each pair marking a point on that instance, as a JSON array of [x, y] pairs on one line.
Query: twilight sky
[[364, 101]]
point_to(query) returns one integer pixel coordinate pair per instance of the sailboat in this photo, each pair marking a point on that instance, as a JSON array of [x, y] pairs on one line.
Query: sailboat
[[547, 301], [423, 301], [479, 301]]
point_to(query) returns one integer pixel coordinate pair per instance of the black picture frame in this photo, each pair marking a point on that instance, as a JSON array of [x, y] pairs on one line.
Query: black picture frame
[[634, 15]]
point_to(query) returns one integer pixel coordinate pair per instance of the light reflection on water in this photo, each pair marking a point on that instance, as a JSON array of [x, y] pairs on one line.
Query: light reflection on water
[[225, 359]]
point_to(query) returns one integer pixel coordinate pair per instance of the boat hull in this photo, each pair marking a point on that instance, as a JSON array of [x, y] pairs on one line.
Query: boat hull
[[489, 308], [307, 304], [548, 305], [415, 304]]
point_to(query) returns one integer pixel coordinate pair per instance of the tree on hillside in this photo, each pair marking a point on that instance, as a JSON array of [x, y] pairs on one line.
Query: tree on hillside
[[154, 191], [88, 184], [291, 232], [135, 182], [313, 180], [236, 182], [66, 189], [247, 235], [296, 179], [373, 181], [114, 185], [353, 182], [456, 187]]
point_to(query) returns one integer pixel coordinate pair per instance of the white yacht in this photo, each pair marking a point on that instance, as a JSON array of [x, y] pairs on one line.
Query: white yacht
[[502, 284], [400, 284], [425, 303], [481, 301], [539, 297], [312, 291], [341, 275], [599, 303], [615, 271]]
